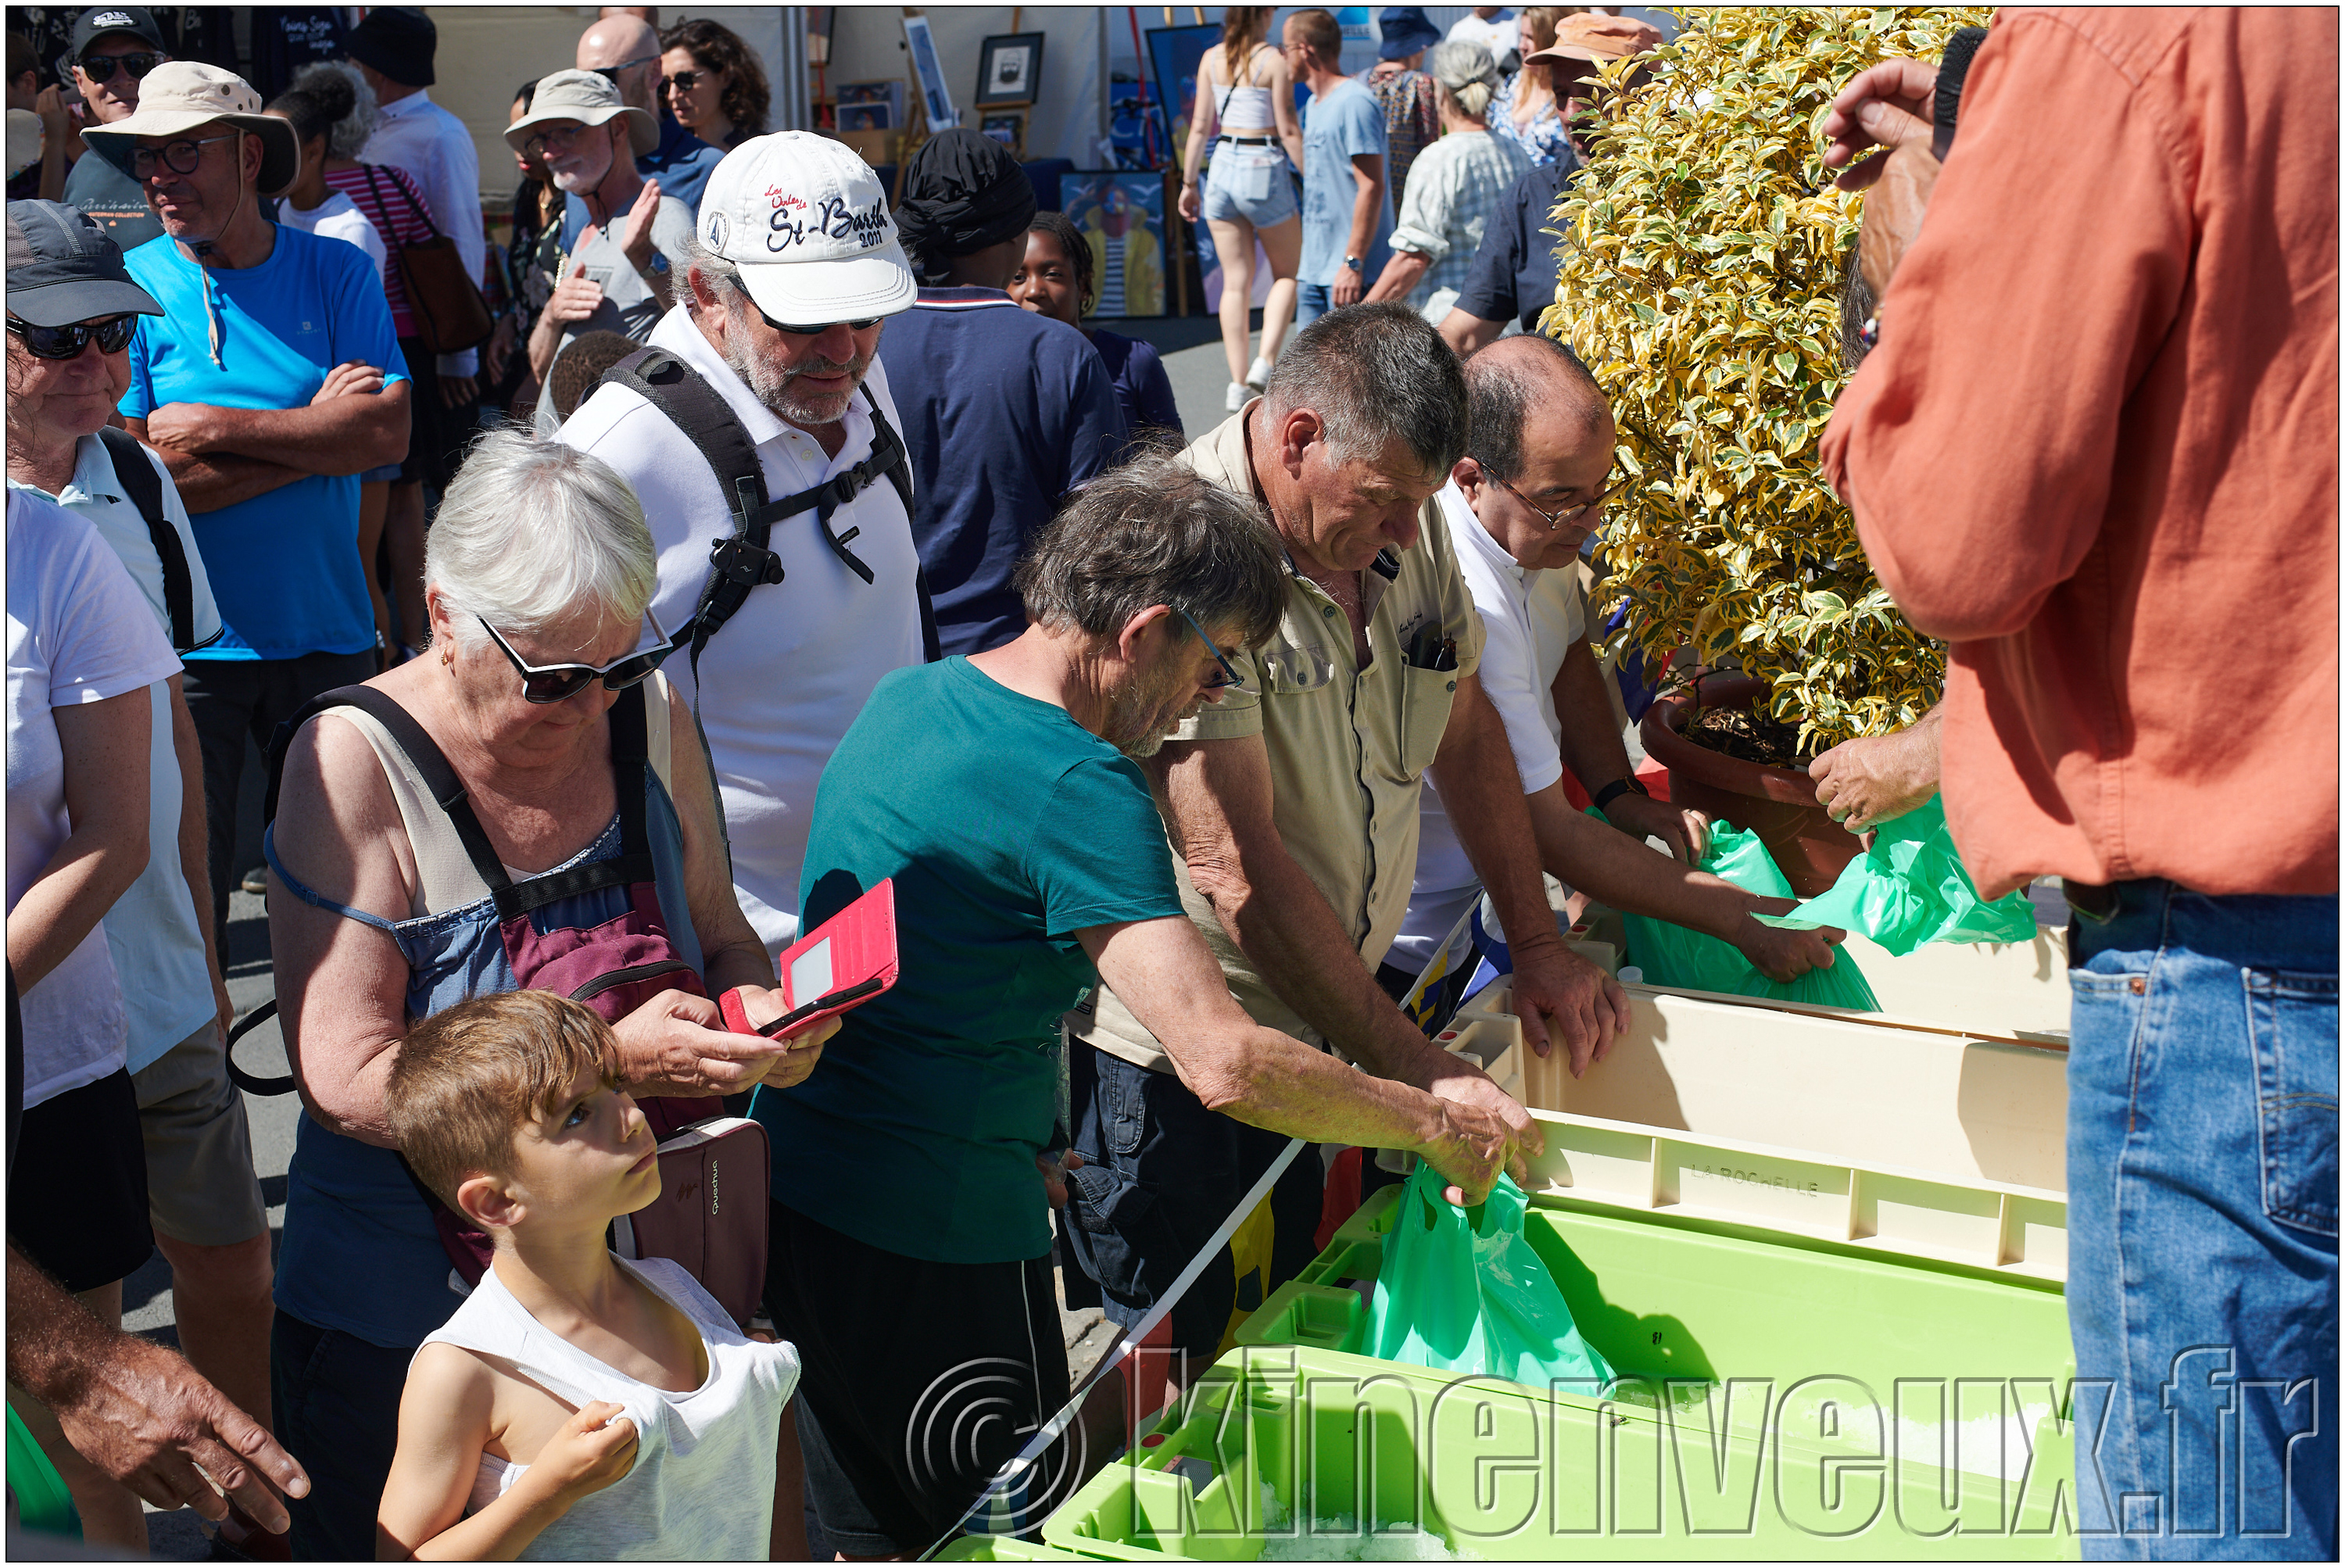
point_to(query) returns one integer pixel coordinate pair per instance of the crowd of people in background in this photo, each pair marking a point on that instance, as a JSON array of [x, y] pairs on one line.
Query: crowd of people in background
[[615, 605]]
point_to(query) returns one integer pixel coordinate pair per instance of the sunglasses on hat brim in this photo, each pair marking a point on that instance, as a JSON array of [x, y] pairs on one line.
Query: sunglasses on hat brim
[[111, 336]]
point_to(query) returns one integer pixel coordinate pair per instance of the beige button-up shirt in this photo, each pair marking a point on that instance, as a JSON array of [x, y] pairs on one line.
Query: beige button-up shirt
[[1347, 755]]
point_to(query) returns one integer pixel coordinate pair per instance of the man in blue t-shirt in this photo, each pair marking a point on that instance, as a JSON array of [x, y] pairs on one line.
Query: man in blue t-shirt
[[1347, 201], [911, 1234], [1005, 412], [272, 381]]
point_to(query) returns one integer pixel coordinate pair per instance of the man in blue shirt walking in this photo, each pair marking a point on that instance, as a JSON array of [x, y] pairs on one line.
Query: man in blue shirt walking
[[1006, 412], [1347, 202], [272, 380]]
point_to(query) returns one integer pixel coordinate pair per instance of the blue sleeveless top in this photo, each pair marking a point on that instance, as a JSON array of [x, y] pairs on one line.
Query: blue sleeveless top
[[361, 1254]]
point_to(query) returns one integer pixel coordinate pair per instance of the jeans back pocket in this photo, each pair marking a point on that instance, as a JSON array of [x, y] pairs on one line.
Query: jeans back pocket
[[2292, 1024]]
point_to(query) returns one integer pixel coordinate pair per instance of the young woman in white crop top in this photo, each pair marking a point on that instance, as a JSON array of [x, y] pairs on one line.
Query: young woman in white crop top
[[1245, 111]]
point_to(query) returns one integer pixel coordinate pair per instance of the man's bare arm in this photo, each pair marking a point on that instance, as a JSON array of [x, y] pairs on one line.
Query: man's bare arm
[[208, 482], [346, 433]]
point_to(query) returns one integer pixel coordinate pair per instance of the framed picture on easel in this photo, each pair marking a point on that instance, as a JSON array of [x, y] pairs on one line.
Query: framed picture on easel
[[1007, 127], [1009, 65]]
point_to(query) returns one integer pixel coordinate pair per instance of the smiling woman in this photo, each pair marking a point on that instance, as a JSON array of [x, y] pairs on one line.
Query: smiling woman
[[384, 907]]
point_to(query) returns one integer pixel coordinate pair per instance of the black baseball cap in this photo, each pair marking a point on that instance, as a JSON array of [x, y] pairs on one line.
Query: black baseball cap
[[63, 267], [99, 20]]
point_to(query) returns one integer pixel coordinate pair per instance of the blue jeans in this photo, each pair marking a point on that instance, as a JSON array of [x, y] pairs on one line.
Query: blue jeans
[[2202, 1221], [1311, 302]]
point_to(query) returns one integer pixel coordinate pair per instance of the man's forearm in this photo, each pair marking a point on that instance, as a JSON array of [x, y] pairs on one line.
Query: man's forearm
[[341, 435], [1282, 922], [1591, 746], [1400, 275], [1482, 792], [208, 482], [1367, 206], [50, 1335], [1614, 869]]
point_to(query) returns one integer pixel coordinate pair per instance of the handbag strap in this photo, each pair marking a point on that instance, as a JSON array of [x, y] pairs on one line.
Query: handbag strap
[[408, 197]]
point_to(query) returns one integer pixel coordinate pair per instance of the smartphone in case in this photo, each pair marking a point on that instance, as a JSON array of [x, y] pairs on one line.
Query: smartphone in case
[[843, 963]]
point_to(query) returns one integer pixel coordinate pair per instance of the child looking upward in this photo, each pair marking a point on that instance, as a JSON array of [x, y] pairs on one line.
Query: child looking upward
[[578, 1404]]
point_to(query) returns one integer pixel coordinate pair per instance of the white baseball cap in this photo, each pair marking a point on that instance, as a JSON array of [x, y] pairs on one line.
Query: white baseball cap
[[807, 222]]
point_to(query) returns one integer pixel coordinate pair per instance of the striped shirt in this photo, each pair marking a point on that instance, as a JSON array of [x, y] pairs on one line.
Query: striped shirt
[[402, 219], [1455, 185]]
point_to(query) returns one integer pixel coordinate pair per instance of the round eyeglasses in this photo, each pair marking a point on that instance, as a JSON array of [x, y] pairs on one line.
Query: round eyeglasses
[[180, 157], [1555, 520]]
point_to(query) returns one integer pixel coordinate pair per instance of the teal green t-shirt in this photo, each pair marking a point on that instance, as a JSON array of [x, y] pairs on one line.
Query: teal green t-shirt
[[1007, 828]]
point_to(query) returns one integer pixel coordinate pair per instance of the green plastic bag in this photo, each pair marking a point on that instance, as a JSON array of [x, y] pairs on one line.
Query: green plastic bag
[[1911, 888], [1461, 1290], [1675, 957], [42, 1503]]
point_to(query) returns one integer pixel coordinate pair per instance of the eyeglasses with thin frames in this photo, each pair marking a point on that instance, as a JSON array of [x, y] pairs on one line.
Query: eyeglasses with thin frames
[[550, 683], [181, 157], [1555, 520], [99, 68], [111, 336], [551, 138], [1230, 679]]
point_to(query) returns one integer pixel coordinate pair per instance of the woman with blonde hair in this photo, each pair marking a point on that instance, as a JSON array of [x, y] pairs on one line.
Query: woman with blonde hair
[[1454, 186], [1526, 110], [1246, 93]]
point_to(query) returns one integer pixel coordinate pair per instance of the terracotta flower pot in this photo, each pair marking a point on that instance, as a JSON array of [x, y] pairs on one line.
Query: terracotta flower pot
[[1779, 804]]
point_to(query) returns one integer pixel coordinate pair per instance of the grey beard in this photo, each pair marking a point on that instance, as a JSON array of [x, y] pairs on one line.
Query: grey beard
[[773, 386]]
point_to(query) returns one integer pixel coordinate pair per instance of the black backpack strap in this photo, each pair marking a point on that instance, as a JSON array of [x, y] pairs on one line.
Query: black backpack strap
[[632, 864], [144, 487]]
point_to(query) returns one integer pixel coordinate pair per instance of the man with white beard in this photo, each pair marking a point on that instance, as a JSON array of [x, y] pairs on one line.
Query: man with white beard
[[783, 290], [615, 277]]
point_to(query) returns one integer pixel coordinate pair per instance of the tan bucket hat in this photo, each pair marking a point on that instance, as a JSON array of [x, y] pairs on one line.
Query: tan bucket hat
[[177, 96], [1590, 36], [590, 99]]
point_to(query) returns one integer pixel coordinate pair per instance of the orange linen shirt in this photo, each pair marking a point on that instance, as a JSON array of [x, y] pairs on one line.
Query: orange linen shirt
[[2097, 449]]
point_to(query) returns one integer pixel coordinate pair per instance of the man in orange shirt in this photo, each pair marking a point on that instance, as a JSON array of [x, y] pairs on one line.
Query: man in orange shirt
[[2096, 448]]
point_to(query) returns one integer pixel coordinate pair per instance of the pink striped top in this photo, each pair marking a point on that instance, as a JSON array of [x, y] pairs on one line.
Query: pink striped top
[[376, 189]]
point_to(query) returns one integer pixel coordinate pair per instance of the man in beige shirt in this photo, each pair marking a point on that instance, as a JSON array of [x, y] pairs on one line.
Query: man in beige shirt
[[1292, 809]]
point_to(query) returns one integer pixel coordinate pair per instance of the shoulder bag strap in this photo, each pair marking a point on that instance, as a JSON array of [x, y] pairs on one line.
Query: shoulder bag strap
[[412, 205], [145, 488]]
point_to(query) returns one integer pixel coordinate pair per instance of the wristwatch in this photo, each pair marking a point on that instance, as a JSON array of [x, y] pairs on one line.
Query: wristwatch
[[1617, 788], [1357, 263]]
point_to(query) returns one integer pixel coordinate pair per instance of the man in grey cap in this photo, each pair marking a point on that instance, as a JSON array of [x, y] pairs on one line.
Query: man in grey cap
[[272, 380], [114, 48], [615, 278]]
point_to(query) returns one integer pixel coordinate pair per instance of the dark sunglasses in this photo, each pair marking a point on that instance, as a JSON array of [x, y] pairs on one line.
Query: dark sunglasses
[[1228, 680], [550, 683], [684, 81], [864, 325], [611, 73], [100, 67], [111, 336]]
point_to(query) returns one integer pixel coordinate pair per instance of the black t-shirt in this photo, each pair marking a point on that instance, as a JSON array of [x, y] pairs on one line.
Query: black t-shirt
[[1514, 272]]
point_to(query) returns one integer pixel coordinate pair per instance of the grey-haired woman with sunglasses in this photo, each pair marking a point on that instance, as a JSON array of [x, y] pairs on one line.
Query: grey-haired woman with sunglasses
[[538, 701]]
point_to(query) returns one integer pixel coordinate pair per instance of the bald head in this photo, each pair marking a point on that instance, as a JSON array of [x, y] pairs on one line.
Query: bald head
[[1516, 376], [620, 41]]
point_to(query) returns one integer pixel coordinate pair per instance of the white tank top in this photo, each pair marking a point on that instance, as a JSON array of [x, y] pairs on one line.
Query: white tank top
[[1247, 108], [701, 1486]]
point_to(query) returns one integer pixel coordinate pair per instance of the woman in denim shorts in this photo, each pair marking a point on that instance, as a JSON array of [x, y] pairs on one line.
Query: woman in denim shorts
[[1245, 106]]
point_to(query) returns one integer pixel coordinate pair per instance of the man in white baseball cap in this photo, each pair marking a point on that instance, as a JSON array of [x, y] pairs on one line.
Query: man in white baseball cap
[[771, 356]]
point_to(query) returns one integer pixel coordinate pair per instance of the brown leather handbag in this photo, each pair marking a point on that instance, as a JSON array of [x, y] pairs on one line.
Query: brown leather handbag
[[442, 298]]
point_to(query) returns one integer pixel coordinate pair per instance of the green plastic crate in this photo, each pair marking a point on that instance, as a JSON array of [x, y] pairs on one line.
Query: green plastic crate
[[1775, 1402]]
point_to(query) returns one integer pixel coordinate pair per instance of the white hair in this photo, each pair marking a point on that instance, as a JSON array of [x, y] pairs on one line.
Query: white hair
[[531, 532], [351, 131]]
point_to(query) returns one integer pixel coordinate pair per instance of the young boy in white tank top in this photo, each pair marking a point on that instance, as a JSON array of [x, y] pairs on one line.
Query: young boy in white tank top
[[577, 1405]]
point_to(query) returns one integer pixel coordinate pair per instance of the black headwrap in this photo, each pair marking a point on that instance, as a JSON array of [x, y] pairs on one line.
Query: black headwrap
[[963, 192]]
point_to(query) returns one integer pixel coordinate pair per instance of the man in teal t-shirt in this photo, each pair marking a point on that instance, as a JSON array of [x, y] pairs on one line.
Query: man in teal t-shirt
[[911, 1234], [271, 381]]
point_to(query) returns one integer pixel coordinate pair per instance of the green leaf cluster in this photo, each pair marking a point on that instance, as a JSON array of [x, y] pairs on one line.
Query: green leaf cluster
[[1700, 280]]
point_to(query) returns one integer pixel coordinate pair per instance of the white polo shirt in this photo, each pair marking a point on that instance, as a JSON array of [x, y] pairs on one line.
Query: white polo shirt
[[151, 929], [787, 673], [1529, 621]]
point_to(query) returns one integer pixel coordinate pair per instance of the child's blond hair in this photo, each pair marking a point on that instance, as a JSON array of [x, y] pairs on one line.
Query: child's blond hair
[[470, 1077]]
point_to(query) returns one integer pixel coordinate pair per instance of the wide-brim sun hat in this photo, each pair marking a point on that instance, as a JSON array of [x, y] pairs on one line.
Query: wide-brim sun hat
[[588, 97], [1404, 30], [1588, 35], [807, 222], [64, 266], [181, 96]]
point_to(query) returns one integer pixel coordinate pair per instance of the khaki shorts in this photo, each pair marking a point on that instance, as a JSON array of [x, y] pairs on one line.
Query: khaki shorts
[[200, 1186]]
